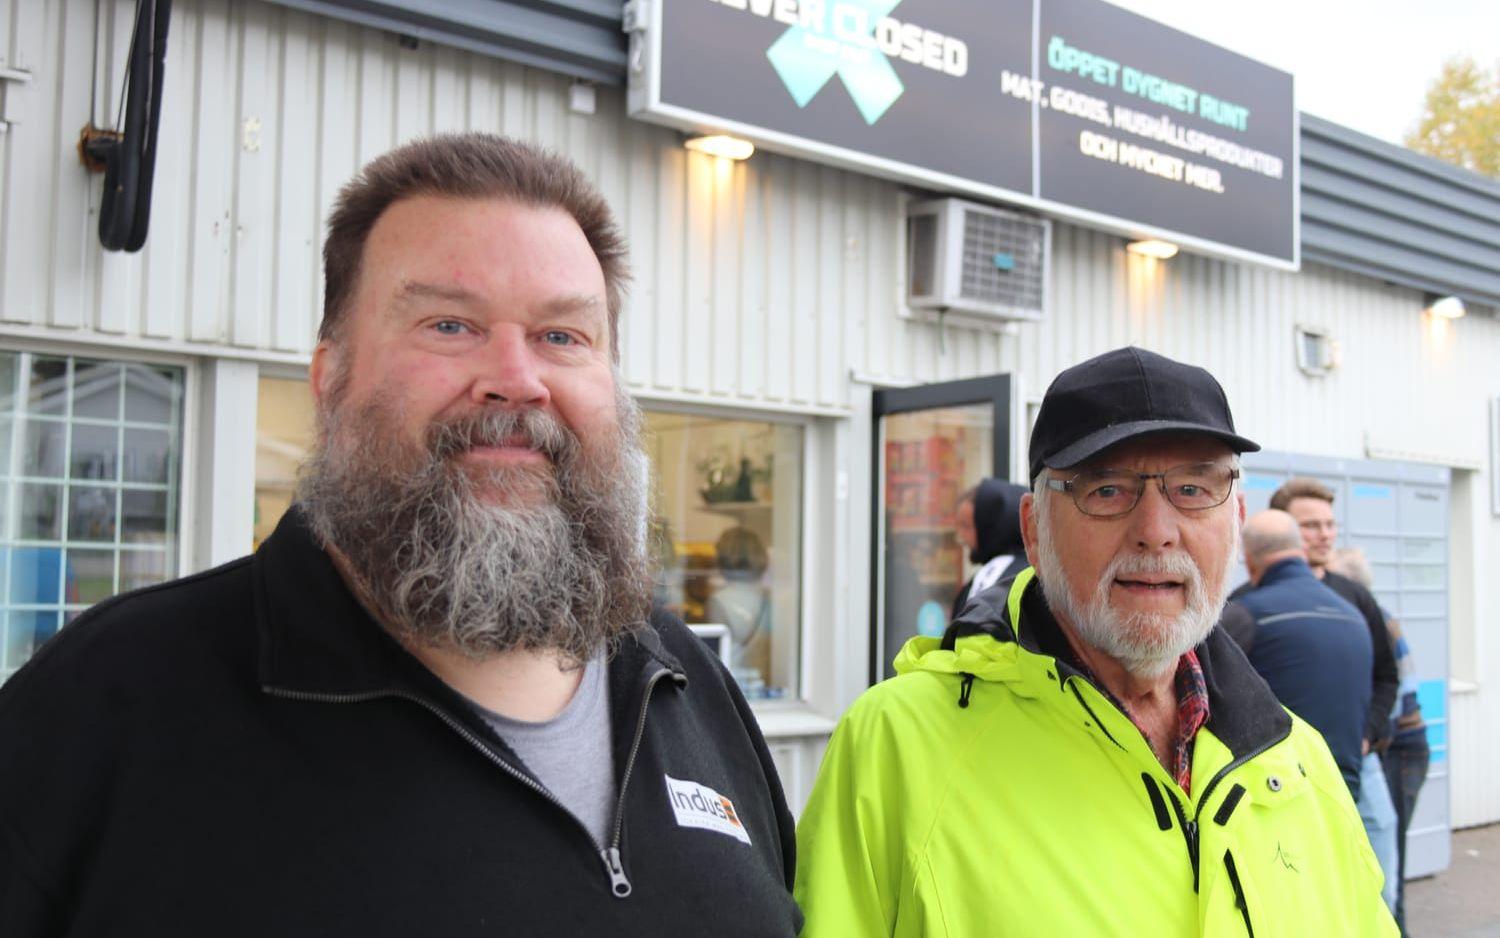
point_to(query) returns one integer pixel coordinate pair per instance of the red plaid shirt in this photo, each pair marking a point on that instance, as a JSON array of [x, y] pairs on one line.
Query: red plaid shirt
[[1192, 713]]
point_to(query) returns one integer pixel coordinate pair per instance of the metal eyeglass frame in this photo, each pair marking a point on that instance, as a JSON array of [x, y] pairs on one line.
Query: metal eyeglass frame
[[1066, 485]]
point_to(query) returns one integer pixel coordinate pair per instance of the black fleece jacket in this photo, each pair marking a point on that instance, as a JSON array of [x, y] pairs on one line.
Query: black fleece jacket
[[245, 752]]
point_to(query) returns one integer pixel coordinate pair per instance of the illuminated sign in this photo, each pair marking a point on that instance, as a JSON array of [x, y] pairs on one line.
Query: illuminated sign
[[1073, 107]]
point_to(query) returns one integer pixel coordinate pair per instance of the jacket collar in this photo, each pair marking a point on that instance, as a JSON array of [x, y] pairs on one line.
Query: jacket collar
[[1292, 568], [316, 638], [1243, 713]]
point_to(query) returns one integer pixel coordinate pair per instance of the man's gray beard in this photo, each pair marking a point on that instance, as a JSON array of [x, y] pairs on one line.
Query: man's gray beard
[[1145, 644], [485, 562]]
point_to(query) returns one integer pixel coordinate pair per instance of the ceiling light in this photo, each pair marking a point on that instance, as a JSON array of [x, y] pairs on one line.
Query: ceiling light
[[1161, 250], [1446, 307], [732, 148]]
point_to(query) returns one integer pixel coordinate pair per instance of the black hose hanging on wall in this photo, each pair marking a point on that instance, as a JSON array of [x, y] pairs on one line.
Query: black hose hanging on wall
[[130, 159]]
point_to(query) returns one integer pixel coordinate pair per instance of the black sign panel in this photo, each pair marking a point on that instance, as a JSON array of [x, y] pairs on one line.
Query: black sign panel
[[1139, 121], [829, 80], [1074, 107]]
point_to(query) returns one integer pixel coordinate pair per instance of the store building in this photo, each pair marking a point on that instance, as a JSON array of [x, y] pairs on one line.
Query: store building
[[810, 426]]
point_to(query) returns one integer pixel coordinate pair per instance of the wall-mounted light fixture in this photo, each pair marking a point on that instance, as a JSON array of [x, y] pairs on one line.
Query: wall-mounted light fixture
[[1445, 307], [732, 148], [1161, 250]]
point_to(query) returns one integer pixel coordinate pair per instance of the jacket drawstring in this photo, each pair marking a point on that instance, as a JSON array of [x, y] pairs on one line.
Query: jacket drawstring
[[965, 688]]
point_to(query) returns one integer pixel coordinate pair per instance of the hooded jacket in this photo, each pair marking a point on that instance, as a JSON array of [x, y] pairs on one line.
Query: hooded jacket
[[990, 789], [997, 529], [246, 752]]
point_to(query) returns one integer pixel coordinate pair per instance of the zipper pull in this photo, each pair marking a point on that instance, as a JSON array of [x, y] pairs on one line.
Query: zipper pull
[[1191, 829], [619, 884]]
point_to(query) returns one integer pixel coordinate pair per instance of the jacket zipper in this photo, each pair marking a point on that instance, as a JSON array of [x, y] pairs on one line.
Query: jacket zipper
[[1189, 834], [1190, 827], [619, 884]]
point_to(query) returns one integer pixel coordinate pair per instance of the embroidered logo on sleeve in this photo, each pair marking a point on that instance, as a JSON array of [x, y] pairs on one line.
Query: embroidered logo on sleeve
[[700, 806]]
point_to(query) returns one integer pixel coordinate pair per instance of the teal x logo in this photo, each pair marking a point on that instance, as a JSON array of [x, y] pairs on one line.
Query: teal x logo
[[807, 56]]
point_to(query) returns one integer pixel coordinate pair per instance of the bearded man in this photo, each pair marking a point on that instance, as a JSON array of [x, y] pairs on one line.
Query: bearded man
[[436, 701], [1085, 753]]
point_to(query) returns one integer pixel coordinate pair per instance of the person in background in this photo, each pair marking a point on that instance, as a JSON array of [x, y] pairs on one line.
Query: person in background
[[1406, 755], [1311, 503], [1306, 641], [988, 523], [743, 603]]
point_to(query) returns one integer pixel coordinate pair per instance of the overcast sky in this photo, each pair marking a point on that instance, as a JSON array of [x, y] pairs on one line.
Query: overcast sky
[[1365, 64]]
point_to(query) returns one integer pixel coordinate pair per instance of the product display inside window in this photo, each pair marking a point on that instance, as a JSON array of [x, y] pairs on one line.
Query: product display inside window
[[90, 462], [284, 432], [727, 535], [930, 458]]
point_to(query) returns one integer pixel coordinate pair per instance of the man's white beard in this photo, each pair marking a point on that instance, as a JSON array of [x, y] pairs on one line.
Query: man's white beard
[[1147, 644]]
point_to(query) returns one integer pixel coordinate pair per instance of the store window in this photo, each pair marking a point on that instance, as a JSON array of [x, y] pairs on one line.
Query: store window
[[727, 535], [284, 433], [90, 467]]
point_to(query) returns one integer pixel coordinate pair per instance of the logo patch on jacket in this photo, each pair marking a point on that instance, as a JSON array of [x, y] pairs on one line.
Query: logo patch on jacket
[[700, 806]]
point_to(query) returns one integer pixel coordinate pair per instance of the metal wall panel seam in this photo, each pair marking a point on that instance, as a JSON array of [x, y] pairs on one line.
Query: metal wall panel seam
[[1351, 263], [111, 298], [7, 31], [1382, 175], [570, 45], [1416, 237], [294, 191], [217, 62], [1394, 203], [1402, 263], [71, 259], [252, 198], [1318, 128], [781, 334], [25, 262], [828, 382]]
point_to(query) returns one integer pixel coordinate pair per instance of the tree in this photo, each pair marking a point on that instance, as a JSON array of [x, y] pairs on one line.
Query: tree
[[1461, 117]]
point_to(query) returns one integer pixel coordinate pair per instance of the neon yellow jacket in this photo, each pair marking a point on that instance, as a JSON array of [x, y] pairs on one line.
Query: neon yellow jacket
[[1038, 809]]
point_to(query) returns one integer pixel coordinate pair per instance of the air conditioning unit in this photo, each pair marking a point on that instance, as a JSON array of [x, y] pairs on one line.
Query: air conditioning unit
[[975, 261]]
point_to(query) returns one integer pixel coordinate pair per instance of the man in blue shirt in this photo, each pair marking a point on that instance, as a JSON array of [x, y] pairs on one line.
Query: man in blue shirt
[[1309, 644]]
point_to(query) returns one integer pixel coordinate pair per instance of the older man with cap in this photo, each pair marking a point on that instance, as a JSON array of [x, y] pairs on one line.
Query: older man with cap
[[1086, 754]]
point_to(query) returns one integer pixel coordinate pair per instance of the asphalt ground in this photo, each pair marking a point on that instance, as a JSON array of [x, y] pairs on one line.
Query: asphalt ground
[[1463, 901]]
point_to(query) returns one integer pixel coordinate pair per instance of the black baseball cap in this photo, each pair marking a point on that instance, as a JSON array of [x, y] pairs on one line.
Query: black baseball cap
[[1124, 394]]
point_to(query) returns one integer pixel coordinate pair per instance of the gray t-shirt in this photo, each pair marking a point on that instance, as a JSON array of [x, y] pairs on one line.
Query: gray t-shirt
[[571, 753]]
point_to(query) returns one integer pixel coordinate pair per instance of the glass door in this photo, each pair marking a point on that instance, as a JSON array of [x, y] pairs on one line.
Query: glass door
[[932, 443]]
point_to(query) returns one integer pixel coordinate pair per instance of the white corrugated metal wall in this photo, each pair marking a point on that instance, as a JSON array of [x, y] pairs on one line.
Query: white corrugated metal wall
[[762, 284]]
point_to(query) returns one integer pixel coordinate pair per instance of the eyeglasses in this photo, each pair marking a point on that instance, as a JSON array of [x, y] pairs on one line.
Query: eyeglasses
[[1110, 493]]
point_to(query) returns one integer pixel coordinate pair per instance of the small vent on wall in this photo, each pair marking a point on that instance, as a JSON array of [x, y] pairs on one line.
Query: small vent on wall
[[1318, 353], [976, 261]]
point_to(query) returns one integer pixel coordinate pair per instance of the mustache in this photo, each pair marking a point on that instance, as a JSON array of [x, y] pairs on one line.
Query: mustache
[[536, 429], [1175, 565]]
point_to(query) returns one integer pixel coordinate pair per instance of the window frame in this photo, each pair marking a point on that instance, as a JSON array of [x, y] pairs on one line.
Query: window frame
[[802, 701], [280, 371], [189, 451]]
